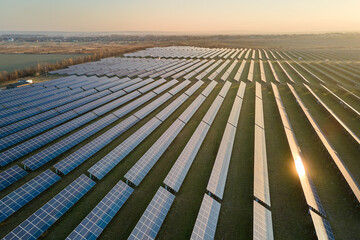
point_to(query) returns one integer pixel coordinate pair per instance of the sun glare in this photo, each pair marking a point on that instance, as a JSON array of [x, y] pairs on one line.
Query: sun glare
[[299, 166]]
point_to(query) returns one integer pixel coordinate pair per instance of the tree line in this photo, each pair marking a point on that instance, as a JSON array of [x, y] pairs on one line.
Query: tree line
[[46, 67]]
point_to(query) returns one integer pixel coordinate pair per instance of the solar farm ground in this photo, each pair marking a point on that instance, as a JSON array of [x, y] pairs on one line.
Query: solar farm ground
[[290, 208]]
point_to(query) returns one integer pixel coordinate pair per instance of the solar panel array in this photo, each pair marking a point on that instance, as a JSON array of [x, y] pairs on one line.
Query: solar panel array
[[154, 215], [307, 185], [66, 121], [11, 175], [205, 225], [96, 221], [328, 109], [142, 167], [47, 215], [355, 188], [216, 184], [261, 179], [24, 194], [178, 172]]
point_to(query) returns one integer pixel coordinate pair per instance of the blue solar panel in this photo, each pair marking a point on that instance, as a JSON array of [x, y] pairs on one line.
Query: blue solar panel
[[75, 159], [12, 128], [125, 84], [96, 221], [153, 217], [18, 116], [11, 175], [36, 129], [24, 194], [39, 159], [91, 105], [107, 163], [47, 215], [41, 95], [39, 141], [116, 103], [134, 104], [77, 103]]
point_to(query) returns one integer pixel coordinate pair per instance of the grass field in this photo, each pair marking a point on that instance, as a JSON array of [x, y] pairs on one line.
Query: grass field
[[290, 217], [11, 62]]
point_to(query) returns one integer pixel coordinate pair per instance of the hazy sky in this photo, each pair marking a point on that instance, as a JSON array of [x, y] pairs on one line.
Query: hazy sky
[[242, 16]]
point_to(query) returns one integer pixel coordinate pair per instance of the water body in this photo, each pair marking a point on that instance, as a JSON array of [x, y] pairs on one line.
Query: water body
[[11, 62]]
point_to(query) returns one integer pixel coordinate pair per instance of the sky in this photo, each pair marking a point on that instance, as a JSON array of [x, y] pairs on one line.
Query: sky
[[185, 16]]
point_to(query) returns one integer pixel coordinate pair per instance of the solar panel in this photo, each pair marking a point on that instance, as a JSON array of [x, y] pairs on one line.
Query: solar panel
[[137, 85], [262, 71], [11, 175], [134, 104], [171, 107], [138, 172], [224, 90], [116, 103], [213, 110], [206, 92], [107, 163], [125, 84], [240, 71], [46, 155], [154, 215], [35, 225], [346, 128], [97, 220], [24, 148], [332, 152], [151, 85], [82, 154], [27, 192], [283, 69], [234, 115], [194, 87], [193, 107], [262, 223], [178, 172], [98, 102], [216, 184], [322, 227], [309, 190], [179, 87], [152, 106], [206, 221], [251, 71], [165, 86]]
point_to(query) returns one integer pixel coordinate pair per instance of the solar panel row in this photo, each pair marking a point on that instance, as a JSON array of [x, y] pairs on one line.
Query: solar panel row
[[309, 190], [154, 215], [101, 168], [206, 221], [24, 148], [27, 192], [178, 172], [11, 175], [286, 73], [39, 159], [250, 76], [72, 161], [142, 167], [332, 152], [262, 71], [240, 71], [47, 215], [346, 128], [96, 221], [262, 222]]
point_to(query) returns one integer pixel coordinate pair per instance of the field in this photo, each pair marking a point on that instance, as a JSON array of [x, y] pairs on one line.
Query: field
[[91, 93], [11, 62]]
